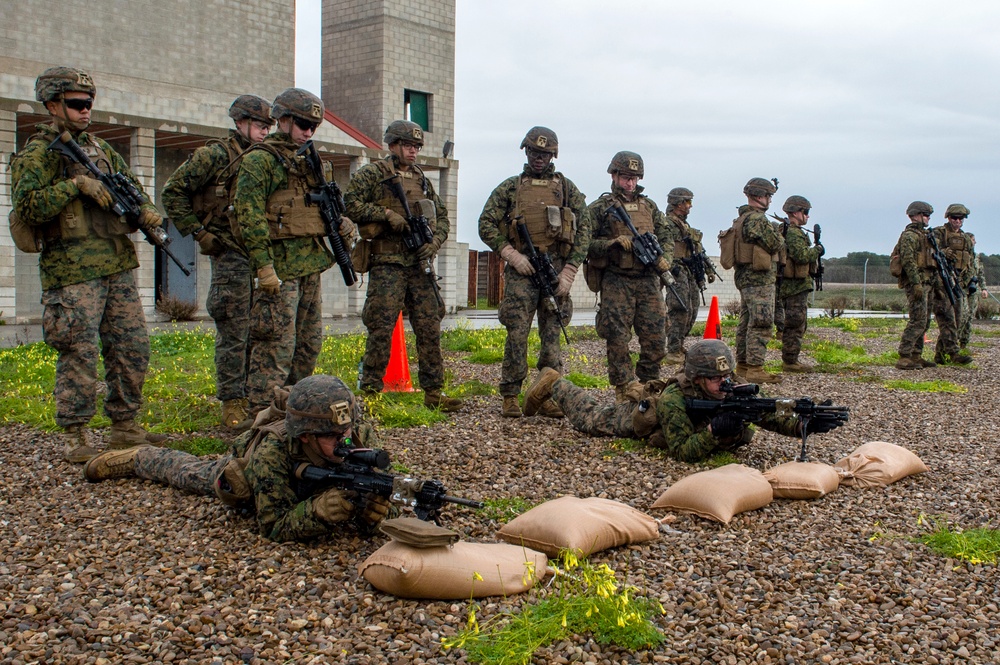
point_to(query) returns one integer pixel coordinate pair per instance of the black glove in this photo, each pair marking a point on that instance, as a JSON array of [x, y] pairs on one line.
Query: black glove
[[727, 425]]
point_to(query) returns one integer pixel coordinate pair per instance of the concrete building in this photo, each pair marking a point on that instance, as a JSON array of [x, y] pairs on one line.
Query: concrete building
[[166, 74]]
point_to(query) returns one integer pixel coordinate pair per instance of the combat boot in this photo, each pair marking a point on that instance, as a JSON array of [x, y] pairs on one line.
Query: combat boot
[[435, 399], [539, 392], [128, 434], [234, 413], [795, 367], [675, 358], [907, 362], [550, 409], [923, 363], [939, 358], [741, 370], [112, 464], [79, 446], [961, 358], [756, 374], [511, 409], [624, 392]]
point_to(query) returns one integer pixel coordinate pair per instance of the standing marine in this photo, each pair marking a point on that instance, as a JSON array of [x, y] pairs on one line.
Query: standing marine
[[555, 215], [686, 269], [86, 263], [630, 291], [800, 263], [401, 278], [955, 320], [198, 198]]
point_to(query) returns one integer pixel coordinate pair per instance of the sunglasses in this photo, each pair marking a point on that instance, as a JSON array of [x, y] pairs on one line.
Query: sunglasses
[[806, 211], [79, 104], [955, 218], [306, 125]]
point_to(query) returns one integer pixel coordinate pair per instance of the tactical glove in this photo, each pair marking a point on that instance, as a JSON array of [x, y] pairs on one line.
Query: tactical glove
[[374, 509], [517, 260], [918, 291], [427, 251], [94, 190], [347, 229], [566, 277], [150, 219], [667, 279], [950, 254], [332, 506], [209, 243], [396, 221], [821, 248], [625, 242], [727, 425], [710, 277], [267, 280]]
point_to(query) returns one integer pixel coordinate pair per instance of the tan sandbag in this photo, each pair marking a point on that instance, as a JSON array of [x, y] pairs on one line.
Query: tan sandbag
[[802, 480], [417, 533], [447, 573], [584, 525], [878, 463], [718, 494]]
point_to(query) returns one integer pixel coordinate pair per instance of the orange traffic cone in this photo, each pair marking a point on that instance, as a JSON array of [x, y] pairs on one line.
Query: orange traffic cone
[[397, 374], [713, 327]]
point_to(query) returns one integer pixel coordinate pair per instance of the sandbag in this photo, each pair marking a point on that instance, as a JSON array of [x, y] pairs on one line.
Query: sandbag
[[878, 463], [802, 480], [718, 494], [417, 533], [448, 573], [582, 525]]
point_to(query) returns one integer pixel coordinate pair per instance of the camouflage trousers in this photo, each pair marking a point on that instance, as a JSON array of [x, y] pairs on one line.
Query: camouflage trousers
[[229, 306], [627, 303], [779, 313], [912, 340], [679, 322], [179, 469], [521, 299], [756, 321], [945, 315], [963, 317], [393, 288], [286, 336], [76, 317], [589, 417], [795, 310]]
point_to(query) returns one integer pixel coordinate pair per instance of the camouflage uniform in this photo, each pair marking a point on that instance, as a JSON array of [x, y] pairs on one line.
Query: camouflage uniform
[[917, 271], [521, 299], [680, 322], [949, 317], [977, 272], [398, 279], [756, 289], [230, 292], [794, 292], [630, 291], [89, 291], [286, 330]]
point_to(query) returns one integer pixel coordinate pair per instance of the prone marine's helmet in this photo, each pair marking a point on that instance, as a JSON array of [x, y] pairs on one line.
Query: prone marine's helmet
[[319, 404], [709, 358]]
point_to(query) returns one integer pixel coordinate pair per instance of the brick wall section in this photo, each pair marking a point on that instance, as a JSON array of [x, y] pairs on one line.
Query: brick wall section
[[8, 131]]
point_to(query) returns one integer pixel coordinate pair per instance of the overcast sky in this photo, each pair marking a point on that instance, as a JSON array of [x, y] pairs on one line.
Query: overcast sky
[[860, 106]]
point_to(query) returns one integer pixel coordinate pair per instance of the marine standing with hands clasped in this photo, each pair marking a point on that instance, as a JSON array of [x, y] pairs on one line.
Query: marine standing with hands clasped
[[630, 291], [86, 262], [796, 282], [197, 198], [554, 214]]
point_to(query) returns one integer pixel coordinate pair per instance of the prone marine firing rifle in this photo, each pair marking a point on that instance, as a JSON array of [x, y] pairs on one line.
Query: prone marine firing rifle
[[127, 200], [945, 270], [545, 278], [700, 265], [420, 232], [742, 400], [645, 246], [331, 207], [361, 472]]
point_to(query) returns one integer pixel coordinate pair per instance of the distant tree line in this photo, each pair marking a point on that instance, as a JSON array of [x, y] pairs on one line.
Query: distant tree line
[[851, 269]]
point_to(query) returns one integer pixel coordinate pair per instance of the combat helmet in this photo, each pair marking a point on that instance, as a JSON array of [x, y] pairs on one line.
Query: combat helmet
[[298, 103], [541, 139], [253, 107], [957, 210], [708, 358], [796, 203], [54, 81], [319, 404], [759, 187], [919, 208], [679, 195], [403, 130], [627, 163]]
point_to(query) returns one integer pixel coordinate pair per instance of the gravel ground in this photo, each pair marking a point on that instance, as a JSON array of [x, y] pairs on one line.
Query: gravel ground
[[129, 571]]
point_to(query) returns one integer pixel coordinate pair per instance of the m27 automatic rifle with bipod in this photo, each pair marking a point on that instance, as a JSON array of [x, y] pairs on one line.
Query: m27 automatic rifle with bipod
[[330, 200], [645, 247]]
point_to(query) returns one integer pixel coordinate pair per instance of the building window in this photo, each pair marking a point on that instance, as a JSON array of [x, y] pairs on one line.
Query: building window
[[417, 108]]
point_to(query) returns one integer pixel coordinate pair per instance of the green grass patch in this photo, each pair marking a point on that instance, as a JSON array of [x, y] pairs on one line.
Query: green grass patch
[[504, 509], [619, 446], [721, 459], [839, 323], [936, 386], [473, 387], [587, 380], [486, 356], [202, 445], [396, 410], [980, 545]]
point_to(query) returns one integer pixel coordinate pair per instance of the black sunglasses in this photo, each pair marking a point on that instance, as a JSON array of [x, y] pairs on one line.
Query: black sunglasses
[[305, 125], [956, 217], [79, 104], [806, 211]]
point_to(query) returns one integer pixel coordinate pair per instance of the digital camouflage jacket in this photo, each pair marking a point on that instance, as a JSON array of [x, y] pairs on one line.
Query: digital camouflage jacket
[[759, 231]]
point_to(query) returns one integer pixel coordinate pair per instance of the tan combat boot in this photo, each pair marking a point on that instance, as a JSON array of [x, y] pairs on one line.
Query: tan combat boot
[[795, 367], [676, 358], [128, 434], [540, 391], [79, 447], [234, 413], [112, 464], [550, 409], [756, 374], [435, 399], [628, 392], [741, 370], [907, 362], [511, 408]]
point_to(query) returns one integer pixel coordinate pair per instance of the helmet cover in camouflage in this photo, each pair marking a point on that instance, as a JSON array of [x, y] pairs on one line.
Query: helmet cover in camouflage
[[319, 404], [298, 103], [54, 81], [403, 130], [957, 210], [679, 195], [759, 187], [919, 208], [708, 358], [541, 139], [626, 163], [253, 107], [796, 203]]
